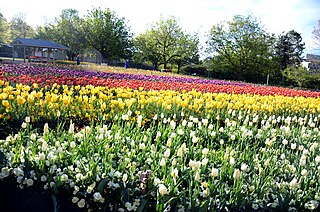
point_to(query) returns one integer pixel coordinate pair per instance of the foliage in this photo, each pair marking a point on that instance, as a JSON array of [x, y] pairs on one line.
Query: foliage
[[301, 77], [108, 34], [198, 70], [146, 49], [66, 31], [20, 28], [243, 48], [164, 43], [289, 49], [69, 34], [187, 51], [70, 62], [132, 149], [4, 30]]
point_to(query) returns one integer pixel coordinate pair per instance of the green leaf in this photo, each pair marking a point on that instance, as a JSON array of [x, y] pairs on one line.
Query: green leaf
[[101, 185], [142, 205]]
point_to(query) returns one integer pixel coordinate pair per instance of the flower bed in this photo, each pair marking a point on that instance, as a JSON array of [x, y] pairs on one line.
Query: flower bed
[[140, 149]]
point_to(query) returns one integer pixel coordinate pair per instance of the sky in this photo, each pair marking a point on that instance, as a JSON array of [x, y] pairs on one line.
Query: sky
[[276, 16]]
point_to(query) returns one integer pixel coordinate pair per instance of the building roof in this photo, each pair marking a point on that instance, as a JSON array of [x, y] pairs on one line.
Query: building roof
[[38, 43]]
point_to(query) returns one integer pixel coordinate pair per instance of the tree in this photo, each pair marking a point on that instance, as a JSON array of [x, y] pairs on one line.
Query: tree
[[243, 47], [166, 34], [146, 49], [165, 42], [67, 31], [46, 32], [108, 34], [4, 30], [20, 28], [187, 50], [289, 49]]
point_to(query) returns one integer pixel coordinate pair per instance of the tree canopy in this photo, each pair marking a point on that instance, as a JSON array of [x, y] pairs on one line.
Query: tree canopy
[[4, 30], [20, 28], [241, 49], [166, 42], [108, 34], [289, 49]]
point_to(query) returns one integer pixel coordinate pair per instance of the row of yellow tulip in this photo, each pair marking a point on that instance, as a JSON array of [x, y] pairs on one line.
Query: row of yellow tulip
[[89, 102]]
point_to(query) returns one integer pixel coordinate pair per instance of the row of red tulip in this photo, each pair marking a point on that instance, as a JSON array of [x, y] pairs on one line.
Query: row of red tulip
[[43, 80]]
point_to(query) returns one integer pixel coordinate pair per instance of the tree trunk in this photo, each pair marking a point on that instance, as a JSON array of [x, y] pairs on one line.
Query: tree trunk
[[179, 66], [164, 64]]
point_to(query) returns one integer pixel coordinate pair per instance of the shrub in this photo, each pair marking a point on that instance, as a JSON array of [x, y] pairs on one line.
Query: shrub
[[301, 77], [199, 70]]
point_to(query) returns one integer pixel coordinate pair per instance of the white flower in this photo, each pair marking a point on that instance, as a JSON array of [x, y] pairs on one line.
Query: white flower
[[197, 176], [45, 128], [169, 142], [64, 177], [268, 142], [5, 172], [214, 172], [24, 125], [173, 124], [155, 117], [293, 183], [97, 196], [81, 203], [125, 177], [179, 152], [317, 159], [167, 153], [163, 189], [195, 164], [128, 206], [284, 142], [43, 178], [244, 167], [162, 162], [33, 136], [142, 146], [232, 161], [236, 174], [174, 162], [75, 199], [27, 119], [232, 137], [255, 206], [184, 123], [304, 172], [71, 128], [174, 173], [205, 151], [42, 156], [29, 182], [72, 144], [293, 146], [312, 205], [195, 139], [204, 161], [221, 141], [180, 132]]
